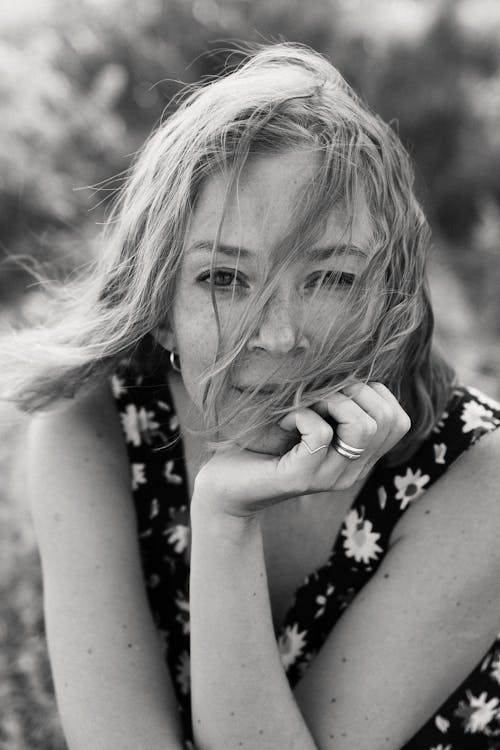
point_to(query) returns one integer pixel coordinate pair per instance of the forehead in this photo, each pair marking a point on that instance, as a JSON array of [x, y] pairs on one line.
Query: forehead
[[262, 204]]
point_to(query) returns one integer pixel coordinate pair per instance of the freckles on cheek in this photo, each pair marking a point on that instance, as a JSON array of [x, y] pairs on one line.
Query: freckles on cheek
[[196, 334]]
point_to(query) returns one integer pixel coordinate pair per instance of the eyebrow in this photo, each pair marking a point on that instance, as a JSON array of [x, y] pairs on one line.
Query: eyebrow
[[313, 253]]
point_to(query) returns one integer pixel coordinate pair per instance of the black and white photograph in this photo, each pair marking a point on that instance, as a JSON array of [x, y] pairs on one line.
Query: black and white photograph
[[250, 375]]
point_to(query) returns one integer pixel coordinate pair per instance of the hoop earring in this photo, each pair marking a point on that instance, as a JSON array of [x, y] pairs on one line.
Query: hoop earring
[[175, 363]]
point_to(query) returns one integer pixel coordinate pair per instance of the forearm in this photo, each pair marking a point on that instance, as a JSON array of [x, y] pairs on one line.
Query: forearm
[[130, 723], [240, 694]]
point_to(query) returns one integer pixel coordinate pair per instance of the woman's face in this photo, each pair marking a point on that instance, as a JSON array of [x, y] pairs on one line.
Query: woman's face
[[257, 216]]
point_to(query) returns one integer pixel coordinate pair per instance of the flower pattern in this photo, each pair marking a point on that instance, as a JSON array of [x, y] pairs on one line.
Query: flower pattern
[[182, 604], [491, 403], [439, 453], [117, 386], [495, 667], [442, 724], [291, 644], [360, 541], [159, 486], [477, 712], [410, 486], [138, 475], [475, 416], [382, 497], [177, 530], [183, 673]]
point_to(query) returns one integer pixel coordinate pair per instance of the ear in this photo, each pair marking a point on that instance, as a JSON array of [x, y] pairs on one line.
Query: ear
[[164, 336]]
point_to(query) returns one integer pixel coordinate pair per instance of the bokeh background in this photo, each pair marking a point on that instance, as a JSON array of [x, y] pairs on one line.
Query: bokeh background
[[82, 82]]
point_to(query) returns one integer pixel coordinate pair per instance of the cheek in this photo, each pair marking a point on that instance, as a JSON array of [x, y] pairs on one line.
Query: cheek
[[320, 314], [196, 341]]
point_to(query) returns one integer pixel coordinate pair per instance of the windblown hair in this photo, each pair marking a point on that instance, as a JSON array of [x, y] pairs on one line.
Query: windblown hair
[[282, 97]]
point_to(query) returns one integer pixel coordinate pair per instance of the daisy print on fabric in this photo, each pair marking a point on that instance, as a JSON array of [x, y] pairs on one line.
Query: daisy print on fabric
[[490, 402], [117, 386], [495, 667], [305, 661], [442, 421], [170, 475], [182, 616], [138, 475], [477, 417], [439, 453], [155, 508], [138, 424], [410, 486], [442, 724], [478, 712], [382, 497], [183, 673], [360, 541], [177, 530], [291, 644], [322, 599]]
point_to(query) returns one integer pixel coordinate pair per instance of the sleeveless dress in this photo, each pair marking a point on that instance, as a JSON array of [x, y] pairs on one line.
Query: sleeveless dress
[[468, 719]]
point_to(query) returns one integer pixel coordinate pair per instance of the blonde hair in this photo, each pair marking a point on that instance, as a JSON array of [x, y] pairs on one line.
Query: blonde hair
[[281, 97]]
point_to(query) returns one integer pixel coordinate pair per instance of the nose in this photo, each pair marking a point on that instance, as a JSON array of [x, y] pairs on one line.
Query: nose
[[279, 332]]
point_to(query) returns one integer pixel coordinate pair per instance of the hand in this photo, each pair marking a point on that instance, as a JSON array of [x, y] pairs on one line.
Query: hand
[[242, 482]]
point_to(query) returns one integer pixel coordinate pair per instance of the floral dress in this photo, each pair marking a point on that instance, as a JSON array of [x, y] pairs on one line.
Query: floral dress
[[469, 718]]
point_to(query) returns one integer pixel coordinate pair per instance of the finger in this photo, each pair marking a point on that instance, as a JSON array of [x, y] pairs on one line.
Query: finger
[[392, 420], [353, 424], [314, 433], [301, 467], [400, 422], [378, 407], [375, 402], [358, 428]]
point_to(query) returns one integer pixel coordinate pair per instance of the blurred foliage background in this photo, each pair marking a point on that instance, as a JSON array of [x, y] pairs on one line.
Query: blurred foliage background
[[82, 82]]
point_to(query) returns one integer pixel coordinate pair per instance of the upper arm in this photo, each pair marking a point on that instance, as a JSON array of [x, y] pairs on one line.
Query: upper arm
[[105, 652], [422, 623]]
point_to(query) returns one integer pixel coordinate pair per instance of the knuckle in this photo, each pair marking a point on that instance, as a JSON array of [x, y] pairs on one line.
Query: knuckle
[[369, 428], [386, 414], [325, 434], [403, 422]]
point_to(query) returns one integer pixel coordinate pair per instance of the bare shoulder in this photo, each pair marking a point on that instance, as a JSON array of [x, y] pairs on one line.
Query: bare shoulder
[[91, 415], [77, 452], [464, 503]]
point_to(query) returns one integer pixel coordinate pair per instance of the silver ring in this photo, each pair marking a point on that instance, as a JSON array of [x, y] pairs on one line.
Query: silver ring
[[315, 450], [346, 454], [345, 450], [350, 448]]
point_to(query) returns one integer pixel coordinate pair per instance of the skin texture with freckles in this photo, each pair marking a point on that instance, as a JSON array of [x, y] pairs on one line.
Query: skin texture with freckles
[[256, 217]]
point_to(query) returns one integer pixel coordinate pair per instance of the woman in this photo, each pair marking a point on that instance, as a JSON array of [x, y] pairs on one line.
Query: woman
[[262, 508]]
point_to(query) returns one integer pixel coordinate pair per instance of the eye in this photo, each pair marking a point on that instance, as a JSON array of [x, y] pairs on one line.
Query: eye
[[331, 279], [222, 278]]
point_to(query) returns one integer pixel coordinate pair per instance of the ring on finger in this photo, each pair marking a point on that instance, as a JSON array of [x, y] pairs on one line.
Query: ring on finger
[[313, 450], [346, 450]]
